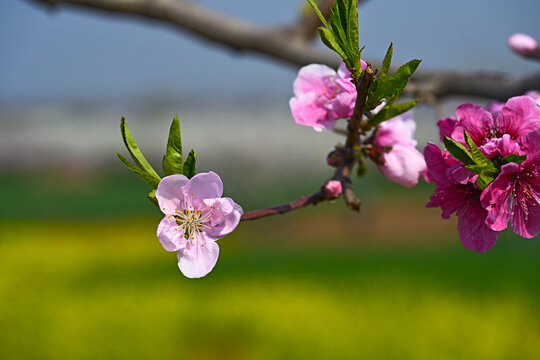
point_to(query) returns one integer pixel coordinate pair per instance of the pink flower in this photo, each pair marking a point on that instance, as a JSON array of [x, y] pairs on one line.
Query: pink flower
[[333, 188], [535, 95], [515, 193], [321, 96], [524, 45], [463, 199], [518, 117], [401, 161], [195, 217]]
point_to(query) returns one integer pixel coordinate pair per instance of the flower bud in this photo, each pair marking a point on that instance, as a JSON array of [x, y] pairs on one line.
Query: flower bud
[[524, 45], [335, 158], [333, 188]]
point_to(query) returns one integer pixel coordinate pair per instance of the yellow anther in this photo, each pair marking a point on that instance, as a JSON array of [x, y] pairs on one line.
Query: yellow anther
[[192, 194], [202, 245]]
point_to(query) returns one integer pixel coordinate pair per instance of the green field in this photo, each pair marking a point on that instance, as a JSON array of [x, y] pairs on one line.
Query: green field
[[84, 279]]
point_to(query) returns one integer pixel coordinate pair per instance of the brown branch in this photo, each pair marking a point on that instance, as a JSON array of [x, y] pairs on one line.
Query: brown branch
[[285, 208], [289, 44]]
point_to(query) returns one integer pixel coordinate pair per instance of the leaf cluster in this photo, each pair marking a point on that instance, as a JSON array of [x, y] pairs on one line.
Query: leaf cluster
[[477, 162], [172, 160], [389, 87]]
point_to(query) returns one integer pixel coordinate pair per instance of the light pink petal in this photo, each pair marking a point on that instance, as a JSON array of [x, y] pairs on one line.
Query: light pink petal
[[342, 106], [224, 218], [169, 193], [170, 234], [307, 111], [199, 257], [473, 231], [535, 95], [475, 120], [343, 72], [519, 116], [203, 186], [313, 78], [446, 127], [333, 188], [398, 130], [523, 44], [403, 165]]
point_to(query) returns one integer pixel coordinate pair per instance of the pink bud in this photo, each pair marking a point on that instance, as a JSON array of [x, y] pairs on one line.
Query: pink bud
[[333, 188], [524, 45]]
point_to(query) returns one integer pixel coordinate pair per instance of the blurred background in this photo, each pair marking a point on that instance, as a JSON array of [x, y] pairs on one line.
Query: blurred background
[[83, 276]]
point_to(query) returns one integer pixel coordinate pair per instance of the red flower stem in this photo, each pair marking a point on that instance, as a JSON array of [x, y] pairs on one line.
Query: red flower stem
[[285, 208]]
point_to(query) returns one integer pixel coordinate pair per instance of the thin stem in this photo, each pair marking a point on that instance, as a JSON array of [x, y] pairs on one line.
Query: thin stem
[[285, 208]]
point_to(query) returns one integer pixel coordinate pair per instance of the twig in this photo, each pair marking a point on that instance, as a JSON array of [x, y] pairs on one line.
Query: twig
[[285, 208]]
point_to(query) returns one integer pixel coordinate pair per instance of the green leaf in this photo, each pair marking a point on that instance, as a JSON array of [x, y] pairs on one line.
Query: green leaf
[[329, 39], [395, 83], [172, 161], [134, 150], [390, 111], [361, 170], [486, 174], [318, 12], [352, 26], [386, 62], [458, 151], [514, 158], [338, 28], [150, 179], [189, 165], [477, 156]]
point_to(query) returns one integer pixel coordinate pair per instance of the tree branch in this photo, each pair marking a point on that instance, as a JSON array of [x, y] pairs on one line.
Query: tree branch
[[289, 44]]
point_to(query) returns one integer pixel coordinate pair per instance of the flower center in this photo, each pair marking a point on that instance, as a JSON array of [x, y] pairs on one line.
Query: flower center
[[193, 222]]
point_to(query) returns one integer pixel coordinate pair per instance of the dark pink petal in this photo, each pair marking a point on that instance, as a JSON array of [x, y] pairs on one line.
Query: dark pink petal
[[494, 107], [497, 197], [225, 217], [526, 219], [313, 78], [502, 146], [519, 116], [170, 234], [475, 120], [170, 193], [446, 127], [436, 164], [204, 186], [473, 231], [199, 257]]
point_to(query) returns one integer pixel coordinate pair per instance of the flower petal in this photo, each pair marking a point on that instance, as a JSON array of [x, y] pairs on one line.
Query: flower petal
[[198, 258], [306, 110], [475, 120], [473, 231], [170, 235], [519, 116], [446, 127], [313, 78], [169, 193], [225, 218], [203, 186], [403, 165]]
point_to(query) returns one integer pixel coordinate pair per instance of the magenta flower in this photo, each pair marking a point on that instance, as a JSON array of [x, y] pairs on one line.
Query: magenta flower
[[463, 199], [401, 161], [518, 117], [196, 216], [515, 194], [333, 188], [524, 45], [321, 96]]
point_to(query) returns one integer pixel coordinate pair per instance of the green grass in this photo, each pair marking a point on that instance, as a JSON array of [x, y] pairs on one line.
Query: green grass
[[107, 290]]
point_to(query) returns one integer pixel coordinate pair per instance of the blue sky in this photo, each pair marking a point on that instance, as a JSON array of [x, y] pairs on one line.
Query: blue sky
[[70, 54]]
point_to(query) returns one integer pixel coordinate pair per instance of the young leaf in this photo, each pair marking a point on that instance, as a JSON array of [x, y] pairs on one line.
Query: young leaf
[[150, 179], [134, 150], [189, 165], [172, 161], [386, 62], [514, 158], [395, 83], [352, 26], [390, 111], [329, 39], [458, 151], [486, 174], [152, 197], [318, 12], [477, 156]]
